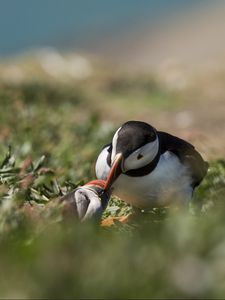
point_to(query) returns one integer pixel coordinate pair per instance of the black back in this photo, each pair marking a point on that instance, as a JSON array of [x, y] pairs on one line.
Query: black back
[[186, 153]]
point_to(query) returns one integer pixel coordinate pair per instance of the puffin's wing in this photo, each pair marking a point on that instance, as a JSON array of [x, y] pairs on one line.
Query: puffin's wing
[[75, 203], [69, 205], [102, 166], [82, 200], [187, 154], [94, 209], [84, 203]]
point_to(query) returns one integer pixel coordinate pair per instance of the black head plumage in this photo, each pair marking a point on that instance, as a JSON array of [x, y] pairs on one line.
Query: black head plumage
[[133, 135]]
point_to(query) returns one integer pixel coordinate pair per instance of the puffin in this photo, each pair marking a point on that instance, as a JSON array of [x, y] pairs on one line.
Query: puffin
[[86, 202], [148, 168]]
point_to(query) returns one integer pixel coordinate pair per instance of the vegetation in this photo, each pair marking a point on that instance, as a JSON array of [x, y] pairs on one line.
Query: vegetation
[[50, 136]]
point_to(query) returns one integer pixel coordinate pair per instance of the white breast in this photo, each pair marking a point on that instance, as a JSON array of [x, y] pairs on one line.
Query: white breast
[[169, 181]]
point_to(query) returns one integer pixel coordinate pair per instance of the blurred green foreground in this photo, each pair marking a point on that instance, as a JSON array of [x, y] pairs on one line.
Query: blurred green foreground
[[50, 136]]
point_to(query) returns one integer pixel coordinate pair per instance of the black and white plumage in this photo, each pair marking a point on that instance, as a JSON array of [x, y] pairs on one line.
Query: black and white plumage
[[86, 202], [150, 168]]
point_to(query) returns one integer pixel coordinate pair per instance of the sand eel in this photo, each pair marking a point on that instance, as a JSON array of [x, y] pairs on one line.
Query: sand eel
[[149, 168], [86, 202]]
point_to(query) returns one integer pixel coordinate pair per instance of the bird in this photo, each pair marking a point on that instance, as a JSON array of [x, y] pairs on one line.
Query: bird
[[86, 202], [148, 168]]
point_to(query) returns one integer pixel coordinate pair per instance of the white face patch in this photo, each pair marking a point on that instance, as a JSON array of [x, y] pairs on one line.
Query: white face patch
[[101, 168], [114, 144], [142, 156]]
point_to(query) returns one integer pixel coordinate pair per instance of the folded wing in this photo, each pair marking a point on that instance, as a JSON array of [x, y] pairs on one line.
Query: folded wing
[[187, 154]]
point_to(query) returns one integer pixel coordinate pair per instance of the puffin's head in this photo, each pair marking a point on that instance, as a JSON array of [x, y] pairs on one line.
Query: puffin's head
[[135, 145]]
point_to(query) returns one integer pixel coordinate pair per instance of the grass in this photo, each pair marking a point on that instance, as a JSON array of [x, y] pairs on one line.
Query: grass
[[50, 136]]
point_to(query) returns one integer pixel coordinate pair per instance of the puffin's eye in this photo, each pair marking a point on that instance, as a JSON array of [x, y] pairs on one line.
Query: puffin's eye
[[152, 134], [139, 156]]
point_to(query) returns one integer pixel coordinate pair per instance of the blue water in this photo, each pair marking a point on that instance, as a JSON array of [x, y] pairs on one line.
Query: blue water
[[29, 24]]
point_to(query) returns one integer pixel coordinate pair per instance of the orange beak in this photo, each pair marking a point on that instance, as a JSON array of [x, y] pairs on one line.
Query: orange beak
[[115, 171], [98, 182]]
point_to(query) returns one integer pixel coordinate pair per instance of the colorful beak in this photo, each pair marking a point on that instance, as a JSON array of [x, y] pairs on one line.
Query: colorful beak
[[97, 182], [115, 171]]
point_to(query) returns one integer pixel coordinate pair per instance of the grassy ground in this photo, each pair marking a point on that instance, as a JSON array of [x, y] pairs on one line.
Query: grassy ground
[[50, 136]]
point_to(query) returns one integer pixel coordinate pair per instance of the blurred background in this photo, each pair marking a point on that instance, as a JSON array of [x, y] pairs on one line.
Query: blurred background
[[179, 44], [71, 72], [134, 33]]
